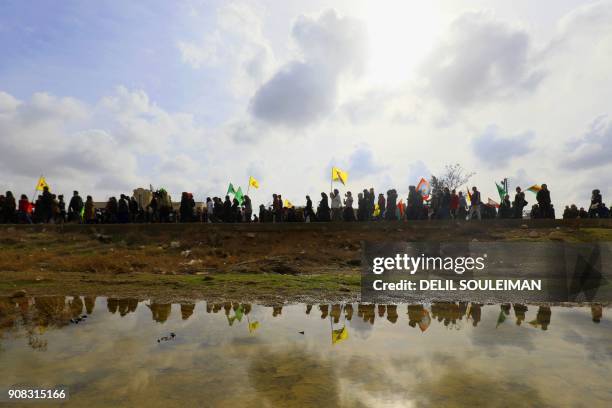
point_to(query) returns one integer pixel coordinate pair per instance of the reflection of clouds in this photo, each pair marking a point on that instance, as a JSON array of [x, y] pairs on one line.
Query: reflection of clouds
[[597, 344], [491, 339], [362, 329]]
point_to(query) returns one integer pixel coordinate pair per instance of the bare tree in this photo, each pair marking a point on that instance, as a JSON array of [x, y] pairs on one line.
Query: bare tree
[[453, 177]]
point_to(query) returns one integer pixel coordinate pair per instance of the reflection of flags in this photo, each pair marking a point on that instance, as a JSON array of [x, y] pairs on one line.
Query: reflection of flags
[[492, 203], [535, 188], [253, 182], [425, 321], [287, 204], [237, 316], [42, 183], [253, 326], [424, 188], [339, 335], [501, 191], [339, 175], [501, 318]]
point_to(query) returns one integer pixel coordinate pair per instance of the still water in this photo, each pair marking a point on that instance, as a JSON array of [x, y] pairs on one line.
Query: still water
[[127, 352]]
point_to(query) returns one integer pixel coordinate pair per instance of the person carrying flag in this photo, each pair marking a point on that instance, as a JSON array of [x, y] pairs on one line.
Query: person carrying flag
[[475, 204]]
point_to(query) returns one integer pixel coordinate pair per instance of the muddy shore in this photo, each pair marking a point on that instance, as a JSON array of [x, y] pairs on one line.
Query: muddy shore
[[266, 263]]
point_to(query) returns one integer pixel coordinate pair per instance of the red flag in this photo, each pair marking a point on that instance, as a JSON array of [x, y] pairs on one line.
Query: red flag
[[400, 206], [492, 203]]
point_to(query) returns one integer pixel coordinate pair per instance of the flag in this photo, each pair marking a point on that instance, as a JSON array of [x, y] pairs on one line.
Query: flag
[[287, 204], [424, 188], [535, 188], [253, 326], [230, 189], [339, 175], [376, 212], [238, 195], [253, 183], [501, 318], [501, 191], [469, 196], [492, 203], [400, 207], [42, 183], [339, 335]]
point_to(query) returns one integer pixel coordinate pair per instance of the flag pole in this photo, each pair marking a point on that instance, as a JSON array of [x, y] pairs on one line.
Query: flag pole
[[331, 181], [249, 186], [36, 189]]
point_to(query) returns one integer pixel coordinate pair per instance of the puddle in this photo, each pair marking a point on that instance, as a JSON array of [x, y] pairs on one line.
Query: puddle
[[125, 352]]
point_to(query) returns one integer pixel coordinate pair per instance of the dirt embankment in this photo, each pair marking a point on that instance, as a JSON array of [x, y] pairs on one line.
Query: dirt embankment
[[266, 262]]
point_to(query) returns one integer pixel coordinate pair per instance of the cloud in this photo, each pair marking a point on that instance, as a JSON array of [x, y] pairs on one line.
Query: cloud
[[236, 44], [305, 90], [362, 163], [101, 147], [481, 59], [594, 148], [496, 151]]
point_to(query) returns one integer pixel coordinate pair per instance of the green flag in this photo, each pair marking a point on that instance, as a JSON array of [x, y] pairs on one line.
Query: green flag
[[500, 319], [239, 196], [230, 189], [501, 191]]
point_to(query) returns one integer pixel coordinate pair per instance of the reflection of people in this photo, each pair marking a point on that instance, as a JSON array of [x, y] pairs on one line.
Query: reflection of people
[[308, 309], [475, 313], [366, 312], [335, 313], [187, 310], [160, 311], [543, 317], [392, 313], [596, 312], [277, 310], [90, 302], [348, 311], [519, 312], [324, 311]]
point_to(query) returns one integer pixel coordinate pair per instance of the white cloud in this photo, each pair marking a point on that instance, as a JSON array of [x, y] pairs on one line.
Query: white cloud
[[305, 90], [480, 59], [496, 151], [236, 44]]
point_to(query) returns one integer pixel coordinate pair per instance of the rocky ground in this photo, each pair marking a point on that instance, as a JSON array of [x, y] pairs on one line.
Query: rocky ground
[[263, 262]]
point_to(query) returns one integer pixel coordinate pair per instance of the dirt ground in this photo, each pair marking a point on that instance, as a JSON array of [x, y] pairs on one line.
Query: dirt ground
[[268, 263]]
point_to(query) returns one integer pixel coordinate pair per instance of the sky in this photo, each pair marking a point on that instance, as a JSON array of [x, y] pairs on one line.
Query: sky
[[104, 97]]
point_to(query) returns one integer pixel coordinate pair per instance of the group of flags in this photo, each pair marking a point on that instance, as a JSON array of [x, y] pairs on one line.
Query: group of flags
[[238, 194]]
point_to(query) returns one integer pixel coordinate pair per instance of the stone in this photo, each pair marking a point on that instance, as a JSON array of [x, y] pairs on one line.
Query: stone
[[175, 244]]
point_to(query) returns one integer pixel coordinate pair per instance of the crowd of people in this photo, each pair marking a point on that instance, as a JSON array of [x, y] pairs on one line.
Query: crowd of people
[[444, 204]]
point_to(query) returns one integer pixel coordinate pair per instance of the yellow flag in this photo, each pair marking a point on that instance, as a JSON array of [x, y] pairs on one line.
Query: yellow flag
[[253, 326], [339, 335], [339, 175], [253, 182], [376, 212], [287, 204], [42, 183]]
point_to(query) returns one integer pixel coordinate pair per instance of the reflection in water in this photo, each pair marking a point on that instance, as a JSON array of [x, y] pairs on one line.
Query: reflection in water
[[251, 355]]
